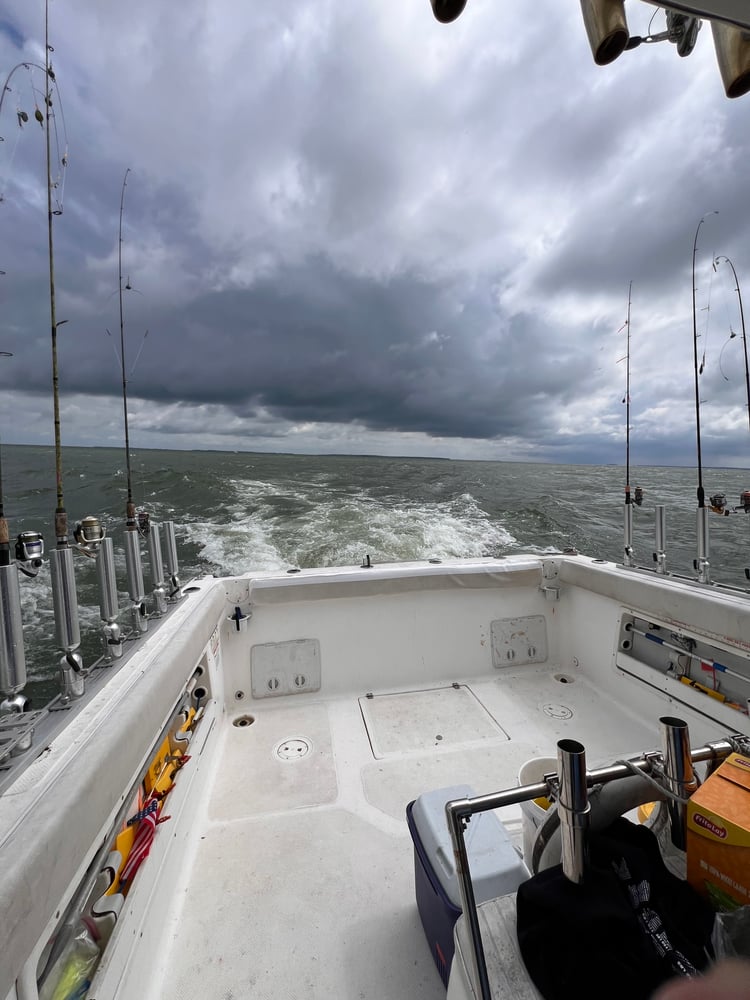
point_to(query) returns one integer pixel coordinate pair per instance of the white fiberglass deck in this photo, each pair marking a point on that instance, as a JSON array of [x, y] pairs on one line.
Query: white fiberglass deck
[[299, 882]]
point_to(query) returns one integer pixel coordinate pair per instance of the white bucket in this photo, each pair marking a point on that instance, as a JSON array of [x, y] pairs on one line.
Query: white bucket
[[532, 812]]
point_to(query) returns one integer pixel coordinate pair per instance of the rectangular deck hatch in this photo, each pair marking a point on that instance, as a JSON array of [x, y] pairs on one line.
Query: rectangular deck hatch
[[411, 721]]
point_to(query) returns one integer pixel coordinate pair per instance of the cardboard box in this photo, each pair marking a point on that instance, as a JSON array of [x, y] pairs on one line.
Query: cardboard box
[[718, 835]]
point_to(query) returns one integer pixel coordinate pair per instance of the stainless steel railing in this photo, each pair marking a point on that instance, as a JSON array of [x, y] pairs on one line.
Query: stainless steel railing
[[569, 788]]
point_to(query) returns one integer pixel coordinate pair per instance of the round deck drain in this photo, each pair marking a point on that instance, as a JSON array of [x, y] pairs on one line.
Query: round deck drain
[[555, 711], [293, 749]]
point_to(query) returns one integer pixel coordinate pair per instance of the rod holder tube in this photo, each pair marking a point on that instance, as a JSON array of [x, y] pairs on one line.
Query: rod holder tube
[[64, 598], [105, 575], [157, 564], [573, 807], [135, 581], [12, 656], [173, 568], [108, 606], [660, 556], [678, 774], [702, 562], [133, 566], [72, 677], [628, 536], [157, 569]]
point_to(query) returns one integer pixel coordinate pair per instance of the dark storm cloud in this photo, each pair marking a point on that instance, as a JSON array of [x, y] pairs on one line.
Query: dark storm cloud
[[349, 222]]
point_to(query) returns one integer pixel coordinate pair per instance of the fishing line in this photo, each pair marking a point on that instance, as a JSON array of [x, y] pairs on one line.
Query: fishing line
[[4, 179], [707, 311], [140, 350]]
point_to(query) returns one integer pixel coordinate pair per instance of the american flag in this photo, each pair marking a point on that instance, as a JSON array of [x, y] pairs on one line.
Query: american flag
[[147, 820]]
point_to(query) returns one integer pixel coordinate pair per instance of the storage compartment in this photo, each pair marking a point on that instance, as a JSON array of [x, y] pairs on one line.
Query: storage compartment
[[496, 868]]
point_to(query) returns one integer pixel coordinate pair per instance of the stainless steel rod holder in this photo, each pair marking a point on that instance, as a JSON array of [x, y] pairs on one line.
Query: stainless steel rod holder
[[702, 563], [628, 558], [678, 774], [105, 575], [660, 556], [108, 605], [157, 569], [64, 599], [135, 580], [573, 807], [12, 655], [173, 568]]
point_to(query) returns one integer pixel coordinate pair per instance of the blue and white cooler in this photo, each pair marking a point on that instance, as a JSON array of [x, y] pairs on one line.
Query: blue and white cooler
[[496, 867]]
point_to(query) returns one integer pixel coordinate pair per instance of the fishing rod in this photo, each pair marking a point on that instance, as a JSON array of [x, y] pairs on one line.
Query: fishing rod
[[637, 497], [745, 495], [132, 543], [29, 549], [136, 525], [702, 562], [130, 506], [628, 542], [64, 597]]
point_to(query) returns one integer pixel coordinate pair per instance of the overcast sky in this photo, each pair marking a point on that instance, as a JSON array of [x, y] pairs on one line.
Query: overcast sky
[[349, 228]]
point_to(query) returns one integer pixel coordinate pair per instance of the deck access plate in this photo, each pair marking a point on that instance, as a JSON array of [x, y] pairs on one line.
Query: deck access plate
[[424, 720]]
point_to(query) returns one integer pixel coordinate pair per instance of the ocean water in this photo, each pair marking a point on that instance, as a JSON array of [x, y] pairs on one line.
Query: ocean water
[[235, 512]]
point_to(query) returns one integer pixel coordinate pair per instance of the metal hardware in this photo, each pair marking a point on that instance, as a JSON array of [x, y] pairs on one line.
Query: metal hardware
[[573, 808], [173, 569], [459, 813], [702, 562], [628, 534], [660, 556], [89, 534], [678, 774], [64, 599], [157, 569], [135, 581], [72, 678], [12, 656], [108, 605], [29, 552]]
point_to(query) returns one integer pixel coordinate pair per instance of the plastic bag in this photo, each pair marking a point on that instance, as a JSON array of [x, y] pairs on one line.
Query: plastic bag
[[731, 934], [70, 977]]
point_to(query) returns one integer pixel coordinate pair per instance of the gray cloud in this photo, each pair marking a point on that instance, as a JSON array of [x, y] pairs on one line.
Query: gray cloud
[[351, 228]]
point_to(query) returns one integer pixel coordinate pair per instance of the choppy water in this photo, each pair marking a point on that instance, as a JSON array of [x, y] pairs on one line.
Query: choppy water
[[236, 512]]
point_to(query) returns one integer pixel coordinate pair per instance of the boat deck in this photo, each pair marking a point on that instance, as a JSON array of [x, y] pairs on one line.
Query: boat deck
[[307, 808]]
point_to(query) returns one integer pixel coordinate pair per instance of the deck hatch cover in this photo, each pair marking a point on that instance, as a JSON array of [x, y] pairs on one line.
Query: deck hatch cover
[[278, 668], [410, 721], [516, 641]]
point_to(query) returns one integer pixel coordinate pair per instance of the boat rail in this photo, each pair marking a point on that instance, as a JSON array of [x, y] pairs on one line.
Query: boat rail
[[654, 766]]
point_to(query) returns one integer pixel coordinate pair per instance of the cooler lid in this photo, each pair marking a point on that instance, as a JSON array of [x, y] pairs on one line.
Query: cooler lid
[[496, 868]]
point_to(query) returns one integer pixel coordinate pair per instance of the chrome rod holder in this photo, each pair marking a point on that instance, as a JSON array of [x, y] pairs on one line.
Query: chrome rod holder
[[573, 808], [64, 598], [108, 605], [173, 569], [157, 569], [679, 775], [702, 562], [67, 629], [628, 558], [660, 555], [12, 655], [135, 580]]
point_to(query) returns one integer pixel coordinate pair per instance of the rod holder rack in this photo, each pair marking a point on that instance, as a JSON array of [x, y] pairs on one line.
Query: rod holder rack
[[459, 812], [17, 733], [702, 563], [628, 557], [660, 539]]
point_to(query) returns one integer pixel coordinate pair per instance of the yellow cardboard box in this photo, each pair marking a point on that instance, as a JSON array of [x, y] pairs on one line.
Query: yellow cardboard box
[[718, 835]]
